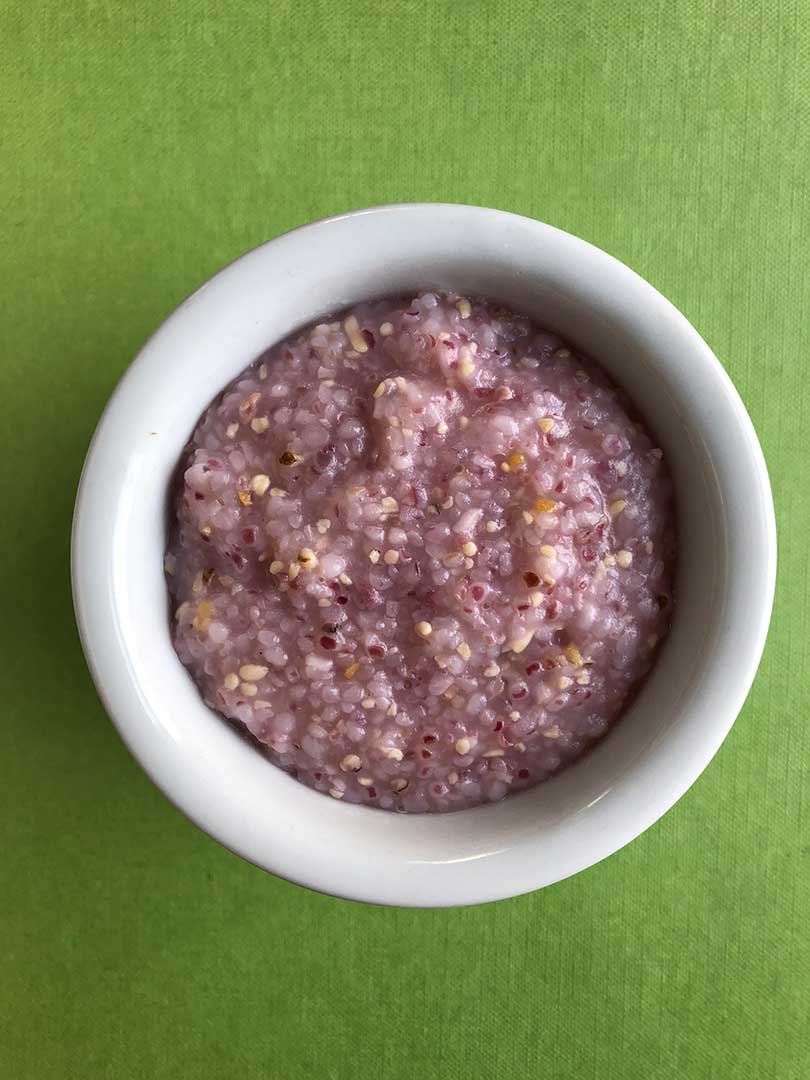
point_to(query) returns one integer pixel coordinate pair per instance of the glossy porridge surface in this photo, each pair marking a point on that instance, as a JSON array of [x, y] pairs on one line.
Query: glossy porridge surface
[[423, 553]]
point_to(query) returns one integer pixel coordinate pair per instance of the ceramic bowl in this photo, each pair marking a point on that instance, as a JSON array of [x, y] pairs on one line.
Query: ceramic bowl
[[725, 580]]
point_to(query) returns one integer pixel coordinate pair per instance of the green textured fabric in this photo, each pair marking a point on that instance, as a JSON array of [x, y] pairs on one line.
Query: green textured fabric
[[146, 143]]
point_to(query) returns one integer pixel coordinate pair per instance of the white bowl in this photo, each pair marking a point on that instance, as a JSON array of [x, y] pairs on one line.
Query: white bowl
[[727, 558]]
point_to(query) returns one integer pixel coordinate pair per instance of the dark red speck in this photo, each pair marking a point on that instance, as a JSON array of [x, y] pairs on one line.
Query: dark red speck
[[324, 458]]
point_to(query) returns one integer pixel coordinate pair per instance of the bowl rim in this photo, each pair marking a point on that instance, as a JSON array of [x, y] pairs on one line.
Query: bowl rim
[[87, 587]]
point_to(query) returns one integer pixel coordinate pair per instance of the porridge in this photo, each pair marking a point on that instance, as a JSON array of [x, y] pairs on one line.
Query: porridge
[[422, 553]]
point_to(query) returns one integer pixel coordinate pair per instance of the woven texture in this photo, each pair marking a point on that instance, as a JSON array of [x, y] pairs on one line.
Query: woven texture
[[146, 143]]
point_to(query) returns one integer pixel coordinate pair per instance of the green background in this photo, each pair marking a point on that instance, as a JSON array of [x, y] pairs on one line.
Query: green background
[[144, 144]]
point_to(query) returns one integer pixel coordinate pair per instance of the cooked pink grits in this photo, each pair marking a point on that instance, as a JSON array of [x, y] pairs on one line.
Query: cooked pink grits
[[423, 553]]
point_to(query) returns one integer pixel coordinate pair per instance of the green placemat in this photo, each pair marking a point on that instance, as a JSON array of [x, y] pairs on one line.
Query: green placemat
[[144, 144]]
